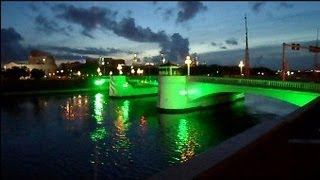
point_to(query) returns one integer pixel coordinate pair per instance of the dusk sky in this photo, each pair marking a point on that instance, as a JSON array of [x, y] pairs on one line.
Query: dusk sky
[[118, 29]]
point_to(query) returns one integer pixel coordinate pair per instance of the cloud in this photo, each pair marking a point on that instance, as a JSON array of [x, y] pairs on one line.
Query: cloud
[[223, 47], [11, 48], [176, 49], [89, 19], [49, 27], [189, 10], [86, 50], [286, 5], [213, 44], [231, 41], [96, 17], [256, 7]]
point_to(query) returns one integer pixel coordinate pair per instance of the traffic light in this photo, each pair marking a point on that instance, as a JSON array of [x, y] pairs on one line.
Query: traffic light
[[295, 46]]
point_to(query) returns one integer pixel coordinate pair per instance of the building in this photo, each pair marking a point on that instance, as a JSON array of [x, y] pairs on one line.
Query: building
[[37, 60]]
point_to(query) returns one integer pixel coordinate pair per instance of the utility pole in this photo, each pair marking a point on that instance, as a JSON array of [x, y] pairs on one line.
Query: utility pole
[[284, 62], [316, 65], [246, 61]]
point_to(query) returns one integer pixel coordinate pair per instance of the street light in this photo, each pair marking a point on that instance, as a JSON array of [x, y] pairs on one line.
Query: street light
[[120, 69], [99, 71], [241, 66], [104, 67], [188, 62]]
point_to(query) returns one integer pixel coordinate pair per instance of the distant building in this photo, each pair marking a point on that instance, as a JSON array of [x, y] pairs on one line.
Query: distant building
[[37, 60], [169, 69], [106, 61]]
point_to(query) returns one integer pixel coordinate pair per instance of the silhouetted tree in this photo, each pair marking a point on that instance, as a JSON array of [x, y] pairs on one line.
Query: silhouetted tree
[[15, 72], [37, 73]]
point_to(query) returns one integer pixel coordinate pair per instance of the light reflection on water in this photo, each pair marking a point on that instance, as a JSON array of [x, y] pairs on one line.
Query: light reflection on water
[[94, 137]]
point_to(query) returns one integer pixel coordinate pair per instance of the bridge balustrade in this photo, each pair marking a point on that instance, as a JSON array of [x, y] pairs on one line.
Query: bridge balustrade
[[300, 86]]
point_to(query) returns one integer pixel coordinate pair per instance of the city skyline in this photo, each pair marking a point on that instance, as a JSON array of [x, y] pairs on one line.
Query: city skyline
[[213, 30]]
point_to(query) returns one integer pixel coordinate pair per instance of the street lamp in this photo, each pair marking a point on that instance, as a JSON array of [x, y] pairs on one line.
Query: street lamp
[[99, 71], [104, 67], [120, 69], [162, 58], [188, 62], [241, 66]]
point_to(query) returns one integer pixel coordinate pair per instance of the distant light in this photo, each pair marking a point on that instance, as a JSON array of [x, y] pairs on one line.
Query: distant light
[[99, 82]]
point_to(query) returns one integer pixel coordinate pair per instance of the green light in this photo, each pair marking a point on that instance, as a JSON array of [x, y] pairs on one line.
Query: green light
[[98, 134], [183, 92], [182, 133], [125, 85], [98, 108], [125, 110], [99, 82]]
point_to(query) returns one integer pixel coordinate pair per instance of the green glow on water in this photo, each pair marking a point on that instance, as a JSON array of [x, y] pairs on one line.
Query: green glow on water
[[98, 134], [98, 108], [182, 134]]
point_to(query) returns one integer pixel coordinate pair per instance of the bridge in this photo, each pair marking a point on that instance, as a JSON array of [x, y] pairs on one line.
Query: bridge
[[187, 92]]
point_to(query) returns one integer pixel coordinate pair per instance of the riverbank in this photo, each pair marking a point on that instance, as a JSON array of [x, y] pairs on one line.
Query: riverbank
[[28, 87]]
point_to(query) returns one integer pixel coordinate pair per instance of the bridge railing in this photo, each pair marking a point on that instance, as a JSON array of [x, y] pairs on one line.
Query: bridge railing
[[299, 86]]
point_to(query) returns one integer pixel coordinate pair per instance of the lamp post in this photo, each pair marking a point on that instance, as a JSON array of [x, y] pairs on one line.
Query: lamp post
[[104, 67], [119, 67], [241, 66], [188, 62], [99, 71]]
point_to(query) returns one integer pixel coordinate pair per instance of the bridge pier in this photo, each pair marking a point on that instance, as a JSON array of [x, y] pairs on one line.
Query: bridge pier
[[120, 86], [177, 93]]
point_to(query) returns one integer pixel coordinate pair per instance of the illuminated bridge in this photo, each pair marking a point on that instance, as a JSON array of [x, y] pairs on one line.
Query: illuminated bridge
[[185, 92]]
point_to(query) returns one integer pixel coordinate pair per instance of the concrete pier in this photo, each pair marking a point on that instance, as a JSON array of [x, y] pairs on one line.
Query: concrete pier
[[286, 148]]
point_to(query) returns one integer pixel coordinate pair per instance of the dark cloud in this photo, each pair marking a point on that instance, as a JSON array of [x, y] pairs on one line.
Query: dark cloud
[[176, 49], [286, 5], [256, 7], [128, 29], [223, 47], [231, 41], [167, 14], [188, 10], [86, 33], [90, 19], [87, 50], [213, 44], [96, 17], [11, 48], [49, 26]]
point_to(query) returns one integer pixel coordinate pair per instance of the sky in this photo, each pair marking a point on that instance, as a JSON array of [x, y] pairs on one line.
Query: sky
[[214, 31]]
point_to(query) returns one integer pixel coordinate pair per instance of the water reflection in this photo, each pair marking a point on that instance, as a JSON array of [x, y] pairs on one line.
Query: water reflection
[[114, 139], [122, 143], [75, 108]]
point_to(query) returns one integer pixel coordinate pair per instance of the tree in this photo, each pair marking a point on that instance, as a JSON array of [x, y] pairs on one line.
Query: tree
[[15, 72], [37, 73]]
